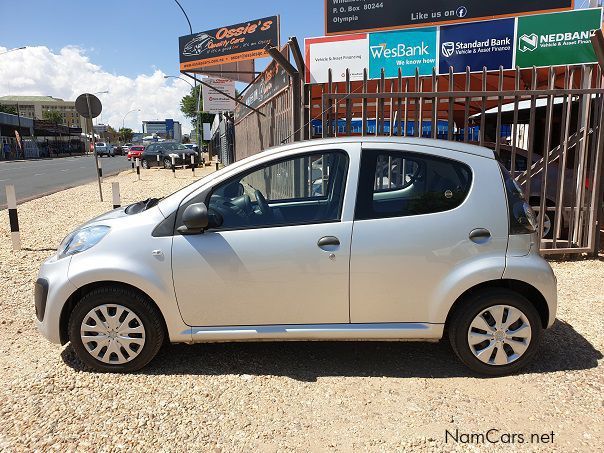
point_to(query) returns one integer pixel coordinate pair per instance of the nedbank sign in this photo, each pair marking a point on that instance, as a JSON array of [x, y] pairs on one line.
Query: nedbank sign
[[557, 39]]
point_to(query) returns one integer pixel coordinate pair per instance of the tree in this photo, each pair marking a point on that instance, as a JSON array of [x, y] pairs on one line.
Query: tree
[[125, 134], [53, 115], [112, 135], [188, 106], [8, 109]]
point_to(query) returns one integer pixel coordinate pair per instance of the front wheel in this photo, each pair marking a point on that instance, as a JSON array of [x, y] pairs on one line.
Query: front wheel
[[495, 332], [167, 164], [115, 330], [145, 164]]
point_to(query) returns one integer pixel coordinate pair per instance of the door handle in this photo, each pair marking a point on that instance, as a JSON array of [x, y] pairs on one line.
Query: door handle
[[326, 241], [480, 235]]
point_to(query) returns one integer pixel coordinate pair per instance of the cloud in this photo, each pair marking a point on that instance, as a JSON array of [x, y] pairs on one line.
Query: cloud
[[69, 73]]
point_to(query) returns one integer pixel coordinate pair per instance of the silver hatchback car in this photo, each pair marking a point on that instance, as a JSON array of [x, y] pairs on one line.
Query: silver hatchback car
[[342, 239]]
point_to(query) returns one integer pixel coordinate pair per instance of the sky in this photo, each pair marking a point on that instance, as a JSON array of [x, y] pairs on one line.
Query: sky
[[125, 47]]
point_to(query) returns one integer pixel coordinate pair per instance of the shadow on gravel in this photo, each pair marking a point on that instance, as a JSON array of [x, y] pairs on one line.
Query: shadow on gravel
[[562, 348]]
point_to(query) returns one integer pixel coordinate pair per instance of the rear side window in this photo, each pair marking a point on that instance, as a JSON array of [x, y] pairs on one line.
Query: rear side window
[[399, 184]]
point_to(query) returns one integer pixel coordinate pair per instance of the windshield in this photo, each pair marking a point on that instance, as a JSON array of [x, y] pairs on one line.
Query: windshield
[[174, 146]]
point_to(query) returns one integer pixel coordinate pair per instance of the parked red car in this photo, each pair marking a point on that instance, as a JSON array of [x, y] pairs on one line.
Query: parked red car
[[135, 152]]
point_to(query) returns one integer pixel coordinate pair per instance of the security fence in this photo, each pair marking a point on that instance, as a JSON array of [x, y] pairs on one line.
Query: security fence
[[544, 124]]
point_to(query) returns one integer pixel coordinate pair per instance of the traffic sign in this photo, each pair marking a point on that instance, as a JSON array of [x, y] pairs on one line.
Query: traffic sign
[[88, 105]]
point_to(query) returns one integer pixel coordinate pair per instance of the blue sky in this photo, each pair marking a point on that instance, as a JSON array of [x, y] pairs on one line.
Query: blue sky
[[129, 37]]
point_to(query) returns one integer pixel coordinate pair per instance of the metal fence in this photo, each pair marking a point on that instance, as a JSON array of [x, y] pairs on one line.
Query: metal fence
[[256, 132], [544, 124]]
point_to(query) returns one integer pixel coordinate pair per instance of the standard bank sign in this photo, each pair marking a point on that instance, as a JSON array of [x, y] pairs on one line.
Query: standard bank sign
[[404, 50], [476, 45]]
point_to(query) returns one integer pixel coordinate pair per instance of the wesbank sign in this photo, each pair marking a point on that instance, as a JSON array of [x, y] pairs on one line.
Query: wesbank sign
[[406, 49], [553, 39], [557, 39]]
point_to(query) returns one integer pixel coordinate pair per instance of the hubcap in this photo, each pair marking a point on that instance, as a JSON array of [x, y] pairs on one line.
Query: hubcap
[[112, 334], [499, 335]]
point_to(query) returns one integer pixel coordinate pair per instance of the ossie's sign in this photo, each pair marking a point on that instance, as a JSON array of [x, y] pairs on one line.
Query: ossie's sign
[[229, 44]]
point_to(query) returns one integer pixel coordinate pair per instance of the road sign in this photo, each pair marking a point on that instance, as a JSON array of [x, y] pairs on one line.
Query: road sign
[[88, 105], [214, 101]]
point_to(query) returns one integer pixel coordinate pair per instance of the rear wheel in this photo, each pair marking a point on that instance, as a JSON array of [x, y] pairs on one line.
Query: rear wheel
[[495, 332], [115, 330]]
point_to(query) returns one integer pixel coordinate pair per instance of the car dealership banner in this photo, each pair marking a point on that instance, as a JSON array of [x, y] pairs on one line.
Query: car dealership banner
[[348, 16], [338, 54], [557, 39], [216, 101], [553, 39], [487, 44], [239, 42], [404, 49]]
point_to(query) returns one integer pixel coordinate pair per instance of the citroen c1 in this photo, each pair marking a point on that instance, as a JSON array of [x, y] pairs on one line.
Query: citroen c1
[[341, 239]]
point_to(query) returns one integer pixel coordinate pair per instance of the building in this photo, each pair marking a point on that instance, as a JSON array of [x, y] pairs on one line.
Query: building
[[161, 128], [35, 106]]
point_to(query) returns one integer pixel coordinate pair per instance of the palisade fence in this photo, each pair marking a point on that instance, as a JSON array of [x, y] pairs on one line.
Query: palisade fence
[[544, 124], [255, 132]]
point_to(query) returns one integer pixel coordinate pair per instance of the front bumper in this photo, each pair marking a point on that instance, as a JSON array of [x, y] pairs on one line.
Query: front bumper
[[58, 290]]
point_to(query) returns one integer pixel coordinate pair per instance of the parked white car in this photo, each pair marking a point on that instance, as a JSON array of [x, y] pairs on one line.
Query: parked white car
[[342, 239], [104, 149]]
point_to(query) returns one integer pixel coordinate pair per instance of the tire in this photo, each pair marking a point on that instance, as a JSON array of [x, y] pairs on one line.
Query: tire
[[143, 344], [145, 164], [550, 217], [484, 303], [167, 164]]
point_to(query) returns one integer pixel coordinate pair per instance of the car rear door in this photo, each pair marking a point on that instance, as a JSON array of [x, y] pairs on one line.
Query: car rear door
[[429, 223]]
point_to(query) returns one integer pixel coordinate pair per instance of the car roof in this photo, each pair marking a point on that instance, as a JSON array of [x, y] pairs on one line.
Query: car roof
[[415, 141]]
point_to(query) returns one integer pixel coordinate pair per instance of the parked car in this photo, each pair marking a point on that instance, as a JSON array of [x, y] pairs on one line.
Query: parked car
[[445, 247], [164, 153], [135, 151], [104, 149], [192, 146]]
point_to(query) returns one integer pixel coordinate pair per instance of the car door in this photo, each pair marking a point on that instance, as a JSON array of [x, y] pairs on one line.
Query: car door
[[282, 252], [420, 232]]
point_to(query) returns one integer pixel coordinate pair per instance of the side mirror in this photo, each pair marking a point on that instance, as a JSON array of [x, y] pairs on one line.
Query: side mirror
[[195, 219]]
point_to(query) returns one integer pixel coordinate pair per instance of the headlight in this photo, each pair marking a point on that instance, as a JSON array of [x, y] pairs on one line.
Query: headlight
[[82, 239]]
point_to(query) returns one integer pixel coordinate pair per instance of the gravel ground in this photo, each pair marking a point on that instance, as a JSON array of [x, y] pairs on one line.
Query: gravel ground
[[307, 396]]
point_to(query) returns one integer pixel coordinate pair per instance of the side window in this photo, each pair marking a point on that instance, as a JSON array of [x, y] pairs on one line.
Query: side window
[[301, 190], [398, 184]]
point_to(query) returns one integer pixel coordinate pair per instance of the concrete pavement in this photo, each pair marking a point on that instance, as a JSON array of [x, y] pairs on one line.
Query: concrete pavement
[[33, 178]]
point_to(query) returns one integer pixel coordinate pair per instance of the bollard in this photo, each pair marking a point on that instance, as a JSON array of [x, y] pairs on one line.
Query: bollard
[[216, 166], [193, 164], [100, 170], [174, 166], [11, 201], [158, 161], [138, 168], [132, 162], [117, 202]]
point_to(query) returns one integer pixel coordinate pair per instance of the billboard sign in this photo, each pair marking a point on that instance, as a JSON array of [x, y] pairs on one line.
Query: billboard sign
[[487, 44], [239, 42], [214, 101], [267, 85], [342, 16], [169, 127], [405, 49], [337, 53], [557, 39]]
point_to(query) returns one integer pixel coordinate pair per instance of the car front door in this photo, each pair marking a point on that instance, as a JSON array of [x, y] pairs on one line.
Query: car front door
[[420, 232], [281, 253]]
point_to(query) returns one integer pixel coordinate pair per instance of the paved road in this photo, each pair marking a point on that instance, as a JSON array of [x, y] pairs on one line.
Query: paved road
[[33, 178]]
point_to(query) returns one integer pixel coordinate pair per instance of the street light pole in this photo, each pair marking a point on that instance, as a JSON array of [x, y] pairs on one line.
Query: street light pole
[[197, 112], [199, 95], [124, 118], [13, 50]]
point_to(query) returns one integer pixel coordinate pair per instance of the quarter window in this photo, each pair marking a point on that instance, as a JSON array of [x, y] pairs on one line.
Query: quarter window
[[301, 190], [398, 184]]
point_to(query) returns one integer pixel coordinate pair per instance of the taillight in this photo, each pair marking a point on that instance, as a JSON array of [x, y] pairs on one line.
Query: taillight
[[522, 218]]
